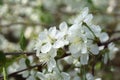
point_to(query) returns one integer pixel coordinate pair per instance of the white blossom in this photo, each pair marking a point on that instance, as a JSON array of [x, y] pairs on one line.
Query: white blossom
[[112, 50], [23, 65], [55, 75], [89, 76], [81, 38], [82, 16], [103, 37], [48, 58]]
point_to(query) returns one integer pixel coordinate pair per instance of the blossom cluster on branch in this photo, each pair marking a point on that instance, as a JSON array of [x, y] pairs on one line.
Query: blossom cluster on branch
[[81, 39], [67, 52]]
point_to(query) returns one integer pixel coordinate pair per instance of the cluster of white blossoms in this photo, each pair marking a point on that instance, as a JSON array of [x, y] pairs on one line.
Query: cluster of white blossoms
[[73, 44], [81, 39]]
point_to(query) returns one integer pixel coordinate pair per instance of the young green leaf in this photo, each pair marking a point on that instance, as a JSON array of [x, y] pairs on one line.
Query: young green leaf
[[1, 2], [98, 66], [90, 1], [46, 18], [27, 62], [23, 41], [2, 59], [3, 65]]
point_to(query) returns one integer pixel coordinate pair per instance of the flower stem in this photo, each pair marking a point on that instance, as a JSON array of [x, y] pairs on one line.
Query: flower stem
[[90, 30], [5, 73]]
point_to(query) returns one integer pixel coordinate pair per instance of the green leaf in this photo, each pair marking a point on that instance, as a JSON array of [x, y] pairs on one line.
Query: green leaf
[[5, 76], [23, 41], [98, 66], [1, 2], [60, 53], [3, 65], [27, 62], [46, 18], [2, 59], [10, 61], [90, 1]]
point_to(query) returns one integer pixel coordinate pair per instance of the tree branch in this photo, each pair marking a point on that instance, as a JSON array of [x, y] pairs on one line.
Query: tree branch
[[32, 53], [23, 23], [113, 31], [19, 53], [109, 41], [14, 73], [37, 65]]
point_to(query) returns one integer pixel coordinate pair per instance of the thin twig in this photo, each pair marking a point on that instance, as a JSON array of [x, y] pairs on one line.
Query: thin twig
[[113, 31], [32, 53], [23, 23], [19, 53], [37, 65], [109, 41], [14, 73]]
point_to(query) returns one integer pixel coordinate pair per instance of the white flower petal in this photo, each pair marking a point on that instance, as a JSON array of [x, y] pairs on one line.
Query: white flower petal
[[89, 76], [65, 76], [38, 52], [84, 49], [81, 17], [96, 29], [104, 37], [63, 27], [43, 35], [94, 49], [58, 44], [51, 64], [40, 76], [84, 59], [38, 45], [112, 47], [30, 59], [53, 52], [52, 32], [85, 11], [76, 78], [74, 48], [22, 64], [60, 35], [25, 74], [66, 42], [46, 48], [31, 78], [76, 55], [112, 50], [101, 48], [98, 79], [88, 33], [73, 28], [112, 55], [105, 58], [88, 19], [68, 59]]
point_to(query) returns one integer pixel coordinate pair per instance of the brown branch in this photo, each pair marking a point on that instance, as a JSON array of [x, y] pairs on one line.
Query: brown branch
[[109, 41], [14, 73], [32, 53], [113, 31], [19, 53], [23, 23], [117, 31], [105, 44], [37, 65]]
